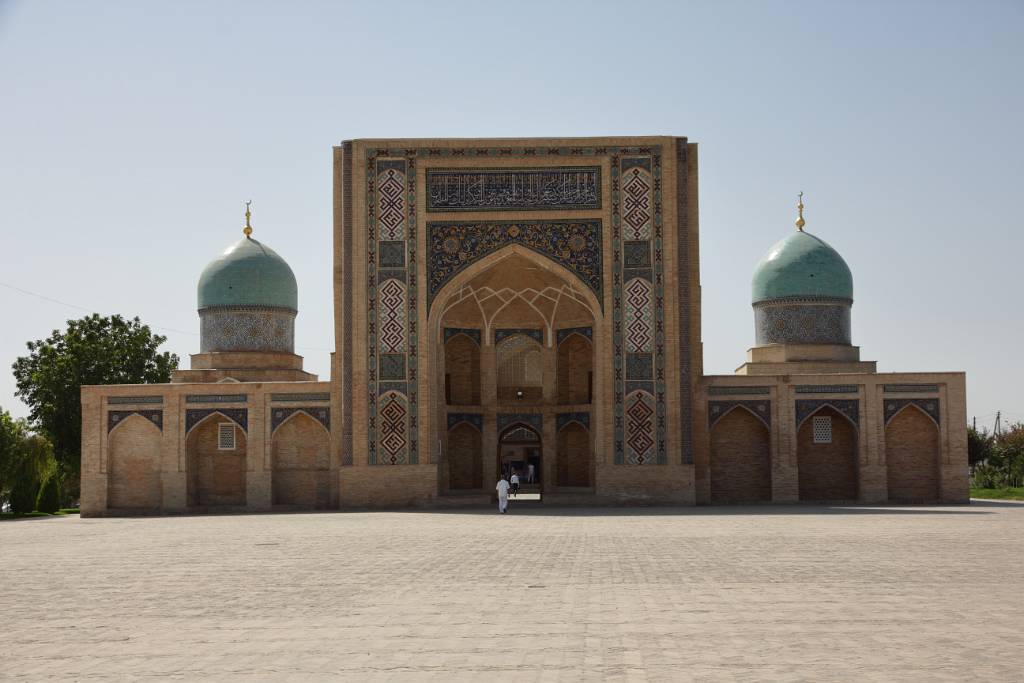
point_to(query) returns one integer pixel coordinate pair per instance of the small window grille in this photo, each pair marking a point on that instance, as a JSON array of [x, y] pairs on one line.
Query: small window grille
[[822, 428], [226, 436]]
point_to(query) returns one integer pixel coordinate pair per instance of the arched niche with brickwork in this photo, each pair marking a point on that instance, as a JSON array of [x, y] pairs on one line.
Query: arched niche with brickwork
[[574, 457], [912, 456], [216, 450], [300, 463], [575, 369], [741, 469], [465, 458], [133, 465], [827, 457], [462, 369]]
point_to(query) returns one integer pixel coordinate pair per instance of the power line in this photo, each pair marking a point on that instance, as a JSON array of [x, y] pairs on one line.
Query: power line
[[92, 310]]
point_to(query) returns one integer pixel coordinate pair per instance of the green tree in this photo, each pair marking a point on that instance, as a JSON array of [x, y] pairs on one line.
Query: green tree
[[979, 445], [93, 350], [12, 432], [26, 459]]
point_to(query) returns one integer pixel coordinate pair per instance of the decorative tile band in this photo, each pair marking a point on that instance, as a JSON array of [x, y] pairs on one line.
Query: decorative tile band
[[791, 323], [536, 335], [911, 388], [514, 189], [216, 398], [848, 407], [247, 329], [321, 414], [133, 400], [929, 405], [454, 246], [566, 332], [762, 410], [739, 391], [282, 398], [116, 417], [827, 389], [475, 419], [535, 420], [450, 332], [239, 416], [562, 419]]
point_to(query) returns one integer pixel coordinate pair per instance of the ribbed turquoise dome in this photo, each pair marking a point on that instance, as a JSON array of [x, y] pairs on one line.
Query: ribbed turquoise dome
[[802, 265], [248, 273]]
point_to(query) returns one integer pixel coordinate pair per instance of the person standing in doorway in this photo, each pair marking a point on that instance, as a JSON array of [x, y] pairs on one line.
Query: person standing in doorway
[[502, 489], [515, 483], [529, 473]]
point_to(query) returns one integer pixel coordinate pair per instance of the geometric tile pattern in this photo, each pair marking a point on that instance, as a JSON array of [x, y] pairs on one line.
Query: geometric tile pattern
[[790, 323], [762, 410], [639, 316], [454, 246], [247, 328], [321, 414], [640, 433], [738, 391], [638, 299], [562, 419], [567, 332], [826, 389], [930, 406], [637, 209], [450, 332], [535, 420], [216, 398], [130, 400], [393, 448], [475, 419], [847, 406], [300, 397], [391, 314], [116, 417], [907, 389], [514, 189]]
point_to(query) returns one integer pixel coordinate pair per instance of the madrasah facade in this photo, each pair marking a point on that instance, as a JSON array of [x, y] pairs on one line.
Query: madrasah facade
[[502, 303]]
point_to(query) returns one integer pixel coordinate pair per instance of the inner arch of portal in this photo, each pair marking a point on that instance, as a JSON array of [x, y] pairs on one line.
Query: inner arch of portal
[[520, 296]]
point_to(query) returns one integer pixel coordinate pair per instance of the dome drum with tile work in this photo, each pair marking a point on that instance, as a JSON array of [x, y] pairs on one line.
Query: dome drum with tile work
[[248, 300], [802, 292]]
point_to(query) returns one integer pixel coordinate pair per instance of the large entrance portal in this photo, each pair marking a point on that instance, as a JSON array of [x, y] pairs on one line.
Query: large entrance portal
[[514, 367]]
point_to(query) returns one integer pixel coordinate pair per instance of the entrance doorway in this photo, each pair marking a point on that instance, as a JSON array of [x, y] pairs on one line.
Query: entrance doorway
[[520, 451]]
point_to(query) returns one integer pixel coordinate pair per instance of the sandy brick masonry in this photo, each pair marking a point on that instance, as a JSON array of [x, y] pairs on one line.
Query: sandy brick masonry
[[711, 594]]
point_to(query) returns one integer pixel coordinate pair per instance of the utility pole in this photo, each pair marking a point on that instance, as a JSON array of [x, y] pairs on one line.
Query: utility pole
[[997, 430]]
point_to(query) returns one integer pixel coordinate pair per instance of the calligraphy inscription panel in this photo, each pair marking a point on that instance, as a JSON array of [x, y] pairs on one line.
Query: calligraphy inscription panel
[[514, 189]]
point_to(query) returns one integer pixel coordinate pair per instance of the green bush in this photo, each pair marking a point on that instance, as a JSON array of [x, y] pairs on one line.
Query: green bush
[[23, 495], [49, 496]]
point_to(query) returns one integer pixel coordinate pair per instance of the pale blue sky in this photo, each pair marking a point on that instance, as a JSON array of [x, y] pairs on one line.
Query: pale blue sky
[[132, 132]]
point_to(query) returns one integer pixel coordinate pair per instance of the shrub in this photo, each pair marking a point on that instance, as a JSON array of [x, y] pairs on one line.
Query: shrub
[[49, 496], [23, 495]]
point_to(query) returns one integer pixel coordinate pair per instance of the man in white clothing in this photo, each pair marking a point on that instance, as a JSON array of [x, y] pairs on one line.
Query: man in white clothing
[[515, 483], [502, 489], [529, 473]]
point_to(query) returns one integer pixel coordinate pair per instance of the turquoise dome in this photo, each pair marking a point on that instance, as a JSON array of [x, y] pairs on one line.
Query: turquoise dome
[[248, 273], [802, 265]]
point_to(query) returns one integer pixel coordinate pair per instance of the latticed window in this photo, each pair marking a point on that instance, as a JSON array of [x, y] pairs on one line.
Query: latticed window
[[225, 436], [822, 428]]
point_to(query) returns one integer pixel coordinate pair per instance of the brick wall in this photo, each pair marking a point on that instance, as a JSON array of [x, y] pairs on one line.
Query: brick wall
[[912, 457], [462, 365], [827, 471], [133, 465], [301, 460], [740, 459], [216, 477], [465, 460], [575, 362], [574, 456]]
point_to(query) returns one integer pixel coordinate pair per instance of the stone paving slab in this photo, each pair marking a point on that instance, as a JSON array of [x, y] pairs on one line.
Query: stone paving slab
[[746, 594]]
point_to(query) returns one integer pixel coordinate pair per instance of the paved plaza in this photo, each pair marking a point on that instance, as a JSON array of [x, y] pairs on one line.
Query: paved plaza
[[766, 593]]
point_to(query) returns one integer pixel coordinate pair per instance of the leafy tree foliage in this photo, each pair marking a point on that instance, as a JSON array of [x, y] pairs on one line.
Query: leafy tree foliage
[[979, 445], [25, 460], [93, 350], [49, 496], [1003, 465]]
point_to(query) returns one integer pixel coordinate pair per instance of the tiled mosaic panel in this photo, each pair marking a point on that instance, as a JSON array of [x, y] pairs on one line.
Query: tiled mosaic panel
[[563, 419], [567, 332], [239, 416], [216, 398], [321, 414], [802, 323], [640, 429], [473, 334], [762, 410], [519, 189], [391, 309], [501, 335], [929, 405], [454, 246], [247, 329], [638, 296], [475, 419], [847, 406], [133, 400], [535, 420], [116, 417]]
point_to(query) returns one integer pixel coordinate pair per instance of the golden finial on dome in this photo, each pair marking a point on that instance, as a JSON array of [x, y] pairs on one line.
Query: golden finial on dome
[[800, 213], [248, 214]]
